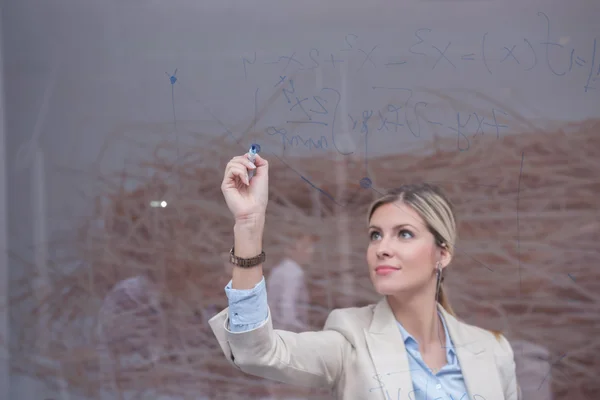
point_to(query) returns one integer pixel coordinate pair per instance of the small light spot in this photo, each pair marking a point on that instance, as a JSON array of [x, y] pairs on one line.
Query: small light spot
[[163, 204], [564, 40]]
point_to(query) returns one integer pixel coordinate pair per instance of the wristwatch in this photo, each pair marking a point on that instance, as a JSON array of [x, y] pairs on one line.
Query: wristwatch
[[246, 262]]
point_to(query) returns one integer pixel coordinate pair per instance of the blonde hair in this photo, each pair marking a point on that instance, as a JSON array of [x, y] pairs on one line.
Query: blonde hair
[[437, 213]]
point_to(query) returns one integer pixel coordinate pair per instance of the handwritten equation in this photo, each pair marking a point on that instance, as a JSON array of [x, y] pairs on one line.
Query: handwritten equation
[[525, 54], [403, 117]]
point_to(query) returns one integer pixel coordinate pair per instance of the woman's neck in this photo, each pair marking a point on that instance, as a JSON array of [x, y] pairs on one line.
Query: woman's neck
[[419, 316]]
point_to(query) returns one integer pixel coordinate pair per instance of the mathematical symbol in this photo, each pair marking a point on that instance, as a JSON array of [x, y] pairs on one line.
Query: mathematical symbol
[[579, 61], [479, 127], [289, 58], [333, 61], [495, 124], [246, 61], [533, 51], [509, 52], [383, 122], [299, 103], [460, 133], [396, 63], [468, 56], [367, 57], [292, 90], [443, 55], [366, 115], [393, 109], [281, 79], [354, 122], [324, 110]]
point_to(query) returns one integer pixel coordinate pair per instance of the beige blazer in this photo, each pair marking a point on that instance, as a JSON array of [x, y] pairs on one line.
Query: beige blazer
[[360, 354]]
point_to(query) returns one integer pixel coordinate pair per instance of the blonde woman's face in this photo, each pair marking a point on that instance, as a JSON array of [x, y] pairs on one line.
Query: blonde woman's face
[[402, 254]]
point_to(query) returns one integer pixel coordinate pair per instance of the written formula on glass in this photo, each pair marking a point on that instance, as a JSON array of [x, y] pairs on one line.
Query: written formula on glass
[[526, 54], [406, 116]]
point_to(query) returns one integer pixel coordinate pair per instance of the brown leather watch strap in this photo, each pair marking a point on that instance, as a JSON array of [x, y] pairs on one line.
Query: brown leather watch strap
[[246, 262]]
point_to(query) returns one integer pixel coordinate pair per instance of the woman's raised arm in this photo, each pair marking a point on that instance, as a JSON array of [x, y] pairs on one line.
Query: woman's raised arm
[[244, 330]]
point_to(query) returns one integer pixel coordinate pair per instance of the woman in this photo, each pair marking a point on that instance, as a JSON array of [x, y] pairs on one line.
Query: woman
[[407, 346]]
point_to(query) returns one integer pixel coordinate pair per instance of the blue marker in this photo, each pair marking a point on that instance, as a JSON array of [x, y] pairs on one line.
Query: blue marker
[[254, 150]]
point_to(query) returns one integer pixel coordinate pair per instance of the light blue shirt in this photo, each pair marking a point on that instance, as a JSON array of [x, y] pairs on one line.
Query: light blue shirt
[[447, 384], [248, 309]]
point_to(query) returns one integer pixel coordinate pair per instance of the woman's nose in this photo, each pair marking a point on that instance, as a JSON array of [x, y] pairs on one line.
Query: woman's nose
[[383, 250]]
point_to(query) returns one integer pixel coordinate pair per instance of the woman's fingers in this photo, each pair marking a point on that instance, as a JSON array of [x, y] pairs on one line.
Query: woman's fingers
[[240, 171], [243, 160], [262, 166], [260, 162], [239, 166]]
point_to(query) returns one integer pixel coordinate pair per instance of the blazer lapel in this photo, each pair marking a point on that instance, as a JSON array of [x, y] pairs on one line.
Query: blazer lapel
[[477, 363], [387, 350]]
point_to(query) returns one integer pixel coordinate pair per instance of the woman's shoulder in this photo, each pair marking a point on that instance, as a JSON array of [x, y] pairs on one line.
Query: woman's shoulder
[[492, 339], [350, 321]]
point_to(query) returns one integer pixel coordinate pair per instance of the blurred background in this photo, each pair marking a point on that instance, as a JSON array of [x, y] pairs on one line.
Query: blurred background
[[117, 121]]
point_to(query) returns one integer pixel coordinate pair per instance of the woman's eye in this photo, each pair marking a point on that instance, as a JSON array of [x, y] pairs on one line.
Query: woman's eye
[[405, 234], [374, 235]]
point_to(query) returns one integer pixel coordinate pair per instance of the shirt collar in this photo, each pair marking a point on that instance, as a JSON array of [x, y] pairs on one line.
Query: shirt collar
[[411, 343]]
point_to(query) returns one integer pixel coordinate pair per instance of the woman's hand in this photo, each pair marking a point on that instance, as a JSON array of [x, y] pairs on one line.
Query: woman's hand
[[246, 199]]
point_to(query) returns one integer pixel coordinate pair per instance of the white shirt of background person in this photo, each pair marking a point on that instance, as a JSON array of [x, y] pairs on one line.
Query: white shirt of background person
[[287, 292]]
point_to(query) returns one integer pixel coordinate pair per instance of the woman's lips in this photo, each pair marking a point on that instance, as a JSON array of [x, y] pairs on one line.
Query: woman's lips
[[385, 270]]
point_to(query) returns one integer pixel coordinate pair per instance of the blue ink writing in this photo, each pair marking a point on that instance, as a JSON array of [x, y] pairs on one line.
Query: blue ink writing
[[337, 103], [319, 101], [589, 79], [291, 90], [173, 79], [247, 61], [367, 57], [333, 61], [312, 59], [297, 140], [460, 133], [420, 40], [281, 79], [495, 124], [510, 52], [348, 42], [547, 44], [483, 53], [443, 55], [533, 51]]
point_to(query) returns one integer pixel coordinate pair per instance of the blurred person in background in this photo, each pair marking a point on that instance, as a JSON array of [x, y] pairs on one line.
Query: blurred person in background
[[289, 299], [534, 371]]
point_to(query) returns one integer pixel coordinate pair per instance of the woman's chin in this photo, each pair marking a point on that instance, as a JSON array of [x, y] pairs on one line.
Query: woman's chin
[[386, 289]]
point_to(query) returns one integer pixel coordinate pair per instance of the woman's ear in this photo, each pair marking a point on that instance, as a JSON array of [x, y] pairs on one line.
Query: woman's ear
[[445, 255]]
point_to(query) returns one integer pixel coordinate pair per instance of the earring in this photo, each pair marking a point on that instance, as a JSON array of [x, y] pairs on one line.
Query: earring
[[440, 273]]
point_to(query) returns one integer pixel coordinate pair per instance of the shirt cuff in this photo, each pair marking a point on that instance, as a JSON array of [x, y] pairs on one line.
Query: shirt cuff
[[247, 306]]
